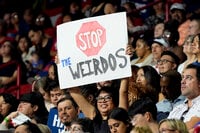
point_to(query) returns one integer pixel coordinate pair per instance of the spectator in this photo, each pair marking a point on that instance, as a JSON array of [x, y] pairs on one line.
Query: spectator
[[8, 104], [44, 21], [143, 50], [194, 26], [56, 94], [40, 85], [106, 101], [9, 59], [118, 121], [148, 85], [42, 43], [143, 113], [67, 115], [159, 29], [32, 107], [187, 49], [170, 84], [172, 125], [188, 111], [158, 46], [195, 46], [168, 61], [171, 34]]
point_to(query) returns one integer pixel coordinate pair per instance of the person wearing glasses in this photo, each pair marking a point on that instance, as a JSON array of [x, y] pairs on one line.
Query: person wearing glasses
[[172, 126], [159, 45], [189, 111], [107, 98], [168, 61]]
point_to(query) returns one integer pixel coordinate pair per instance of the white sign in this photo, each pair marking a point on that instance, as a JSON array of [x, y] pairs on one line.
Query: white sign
[[93, 50]]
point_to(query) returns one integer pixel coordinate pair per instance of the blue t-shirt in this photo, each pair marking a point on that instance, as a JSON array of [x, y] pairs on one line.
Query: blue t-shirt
[[54, 122]]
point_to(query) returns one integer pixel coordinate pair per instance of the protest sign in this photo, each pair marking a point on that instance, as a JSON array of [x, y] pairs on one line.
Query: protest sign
[[91, 50]]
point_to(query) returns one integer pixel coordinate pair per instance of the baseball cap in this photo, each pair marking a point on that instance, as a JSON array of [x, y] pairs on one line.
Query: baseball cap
[[34, 98], [178, 6], [161, 41]]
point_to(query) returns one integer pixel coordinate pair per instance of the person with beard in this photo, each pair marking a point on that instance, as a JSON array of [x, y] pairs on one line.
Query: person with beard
[[68, 111]]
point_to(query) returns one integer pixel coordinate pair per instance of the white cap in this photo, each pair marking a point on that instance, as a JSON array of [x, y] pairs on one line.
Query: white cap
[[178, 6], [161, 41]]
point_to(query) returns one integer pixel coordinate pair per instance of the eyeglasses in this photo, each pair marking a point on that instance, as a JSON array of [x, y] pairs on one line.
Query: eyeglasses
[[164, 61], [167, 130], [40, 19], [105, 98]]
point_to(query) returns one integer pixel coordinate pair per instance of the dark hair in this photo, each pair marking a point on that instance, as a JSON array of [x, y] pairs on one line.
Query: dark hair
[[55, 69], [174, 84], [27, 39], [196, 66], [68, 97], [86, 124], [112, 92], [141, 106], [12, 100], [52, 84], [119, 114], [172, 27], [31, 127], [147, 37], [152, 77], [36, 98], [173, 55]]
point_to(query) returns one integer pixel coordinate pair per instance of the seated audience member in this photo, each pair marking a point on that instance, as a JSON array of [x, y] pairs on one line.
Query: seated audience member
[[170, 83], [158, 46], [40, 85], [81, 125], [118, 121], [147, 83], [143, 50], [143, 112], [168, 61], [159, 29], [188, 50], [32, 107], [188, 111], [56, 94], [8, 63], [67, 111], [172, 125], [195, 47], [8, 104]]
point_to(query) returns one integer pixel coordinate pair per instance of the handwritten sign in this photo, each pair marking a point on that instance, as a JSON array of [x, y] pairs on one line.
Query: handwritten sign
[[93, 50]]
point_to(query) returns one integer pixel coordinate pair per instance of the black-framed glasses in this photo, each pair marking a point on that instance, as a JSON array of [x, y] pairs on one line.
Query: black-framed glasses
[[105, 98], [164, 61]]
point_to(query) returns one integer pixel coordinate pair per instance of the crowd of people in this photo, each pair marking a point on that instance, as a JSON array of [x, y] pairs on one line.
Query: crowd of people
[[161, 96]]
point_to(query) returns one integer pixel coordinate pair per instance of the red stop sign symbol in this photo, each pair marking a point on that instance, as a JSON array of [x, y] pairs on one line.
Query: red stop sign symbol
[[91, 38]]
